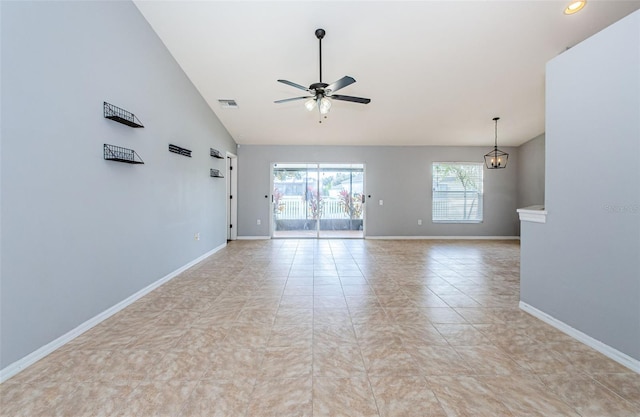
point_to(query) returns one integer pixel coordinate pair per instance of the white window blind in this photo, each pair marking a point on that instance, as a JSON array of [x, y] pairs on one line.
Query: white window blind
[[457, 192]]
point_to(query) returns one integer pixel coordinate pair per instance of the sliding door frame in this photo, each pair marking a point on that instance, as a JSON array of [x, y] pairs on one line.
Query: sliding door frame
[[317, 167]]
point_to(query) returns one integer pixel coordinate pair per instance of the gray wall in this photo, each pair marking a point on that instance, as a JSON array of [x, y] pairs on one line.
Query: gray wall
[[583, 266], [80, 234], [531, 172], [401, 176]]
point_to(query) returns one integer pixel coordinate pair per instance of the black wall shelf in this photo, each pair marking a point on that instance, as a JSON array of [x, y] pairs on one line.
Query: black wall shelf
[[216, 153], [120, 154], [215, 173], [179, 150], [121, 115]]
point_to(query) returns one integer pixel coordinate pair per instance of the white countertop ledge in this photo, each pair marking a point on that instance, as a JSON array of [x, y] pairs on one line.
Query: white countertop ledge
[[534, 214]]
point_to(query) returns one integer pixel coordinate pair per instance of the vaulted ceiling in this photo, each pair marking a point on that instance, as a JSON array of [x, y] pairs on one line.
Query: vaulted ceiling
[[436, 72]]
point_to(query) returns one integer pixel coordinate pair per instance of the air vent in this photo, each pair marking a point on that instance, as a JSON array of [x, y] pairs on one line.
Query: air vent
[[228, 104]]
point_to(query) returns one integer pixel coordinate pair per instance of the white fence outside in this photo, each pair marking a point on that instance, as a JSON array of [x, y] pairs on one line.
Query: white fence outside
[[299, 209]]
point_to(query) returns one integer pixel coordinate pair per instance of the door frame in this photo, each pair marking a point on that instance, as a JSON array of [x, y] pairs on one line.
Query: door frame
[[272, 226], [232, 196]]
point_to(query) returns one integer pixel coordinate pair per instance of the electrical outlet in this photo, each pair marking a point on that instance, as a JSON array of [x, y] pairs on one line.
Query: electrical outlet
[[381, 202], [259, 222], [419, 222], [196, 236]]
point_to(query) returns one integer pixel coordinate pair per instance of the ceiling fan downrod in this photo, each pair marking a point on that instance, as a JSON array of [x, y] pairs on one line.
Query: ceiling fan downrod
[[320, 34]]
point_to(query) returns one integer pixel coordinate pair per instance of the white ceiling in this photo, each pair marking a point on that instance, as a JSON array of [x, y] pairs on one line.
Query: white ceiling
[[436, 72]]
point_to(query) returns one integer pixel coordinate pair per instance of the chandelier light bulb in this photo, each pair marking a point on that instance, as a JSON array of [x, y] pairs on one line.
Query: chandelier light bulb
[[324, 105], [310, 104]]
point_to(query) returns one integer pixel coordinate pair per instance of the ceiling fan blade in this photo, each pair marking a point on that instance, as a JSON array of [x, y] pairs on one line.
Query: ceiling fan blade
[[292, 84], [285, 100], [341, 83], [350, 98]]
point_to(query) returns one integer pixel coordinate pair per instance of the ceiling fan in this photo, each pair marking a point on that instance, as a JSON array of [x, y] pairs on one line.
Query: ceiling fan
[[321, 93]]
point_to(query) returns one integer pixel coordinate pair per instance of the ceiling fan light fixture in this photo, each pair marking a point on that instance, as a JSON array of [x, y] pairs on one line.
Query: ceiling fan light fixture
[[310, 104], [322, 93], [575, 6], [324, 104]]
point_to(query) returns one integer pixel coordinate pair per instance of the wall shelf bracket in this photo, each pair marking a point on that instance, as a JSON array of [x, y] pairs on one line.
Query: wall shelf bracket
[[121, 115], [120, 154], [215, 173], [180, 151]]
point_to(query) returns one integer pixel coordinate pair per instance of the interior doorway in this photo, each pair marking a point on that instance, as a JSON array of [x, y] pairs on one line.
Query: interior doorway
[[318, 200]]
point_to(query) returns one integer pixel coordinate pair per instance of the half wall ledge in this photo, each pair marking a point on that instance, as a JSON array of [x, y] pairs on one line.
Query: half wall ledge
[[534, 214]]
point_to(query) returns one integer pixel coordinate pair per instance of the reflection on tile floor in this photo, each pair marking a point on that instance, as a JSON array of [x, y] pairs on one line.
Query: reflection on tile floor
[[330, 328]]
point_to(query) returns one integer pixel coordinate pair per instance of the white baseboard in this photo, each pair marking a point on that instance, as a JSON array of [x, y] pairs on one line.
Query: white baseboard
[[49, 348], [622, 358], [402, 237], [443, 237]]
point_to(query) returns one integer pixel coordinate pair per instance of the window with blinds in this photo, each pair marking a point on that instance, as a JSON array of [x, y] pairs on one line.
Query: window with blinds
[[457, 192]]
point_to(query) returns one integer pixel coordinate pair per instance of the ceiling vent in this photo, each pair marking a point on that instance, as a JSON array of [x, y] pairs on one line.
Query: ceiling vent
[[228, 104]]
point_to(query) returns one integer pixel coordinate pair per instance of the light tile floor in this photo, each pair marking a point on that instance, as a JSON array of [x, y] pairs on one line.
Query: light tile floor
[[330, 328]]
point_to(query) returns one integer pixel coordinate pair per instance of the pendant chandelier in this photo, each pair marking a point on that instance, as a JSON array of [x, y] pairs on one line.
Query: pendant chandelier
[[496, 159]]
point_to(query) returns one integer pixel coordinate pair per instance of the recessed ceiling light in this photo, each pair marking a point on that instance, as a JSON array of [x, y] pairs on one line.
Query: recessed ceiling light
[[575, 6]]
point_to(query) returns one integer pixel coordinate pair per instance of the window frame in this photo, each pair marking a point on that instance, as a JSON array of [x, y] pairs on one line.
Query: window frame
[[478, 190]]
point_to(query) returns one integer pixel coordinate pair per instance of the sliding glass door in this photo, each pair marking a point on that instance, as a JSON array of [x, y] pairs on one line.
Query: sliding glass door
[[342, 192], [295, 200], [318, 200]]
